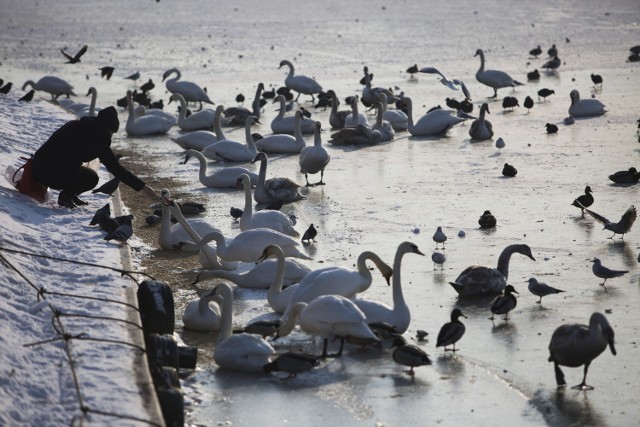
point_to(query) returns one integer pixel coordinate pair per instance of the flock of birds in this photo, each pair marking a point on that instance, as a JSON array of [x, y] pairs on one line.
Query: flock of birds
[[325, 302]]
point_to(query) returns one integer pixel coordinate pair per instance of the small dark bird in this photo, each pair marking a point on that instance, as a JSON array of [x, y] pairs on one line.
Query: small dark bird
[[122, 233], [583, 201], [153, 219], [236, 213], [551, 128], [533, 75], [240, 98], [535, 52], [634, 58], [553, 64], [323, 102], [510, 102], [269, 94], [630, 176], [528, 103], [504, 303], [101, 214], [544, 92], [148, 86], [409, 355], [108, 187], [310, 234], [553, 51], [106, 72], [28, 96], [509, 170], [487, 220], [596, 79], [159, 104], [135, 76], [635, 49], [412, 70], [452, 103], [75, 58], [274, 205], [421, 335], [6, 88], [451, 332], [292, 363], [466, 106], [191, 208], [122, 102]]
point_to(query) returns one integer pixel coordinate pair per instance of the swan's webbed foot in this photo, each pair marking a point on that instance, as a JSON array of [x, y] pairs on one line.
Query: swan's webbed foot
[[582, 386]]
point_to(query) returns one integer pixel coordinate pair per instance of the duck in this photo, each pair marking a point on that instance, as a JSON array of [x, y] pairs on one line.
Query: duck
[[283, 143], [436, 122], [266, 218], [355, 118], [370, 95], [630, 176], [487, 220], [585, 107], [553, 64], [622, 226], [190, 91], [584, 200], [387, 133], [397, 118], [249, 245], [481, 129], [509, 170], [328, 316], [203, 314], [300, 83], [503, 304], [90, 110], [292, 362], [233, 151], [451, 332], [528, 103], [274, 189], [480, 280], [315, 158], [409, 355], [196, 121], [358, 135], [540, 289], [399, 315], [575, 345], [237, 116], [145, 125], [238, 352], [495, 79], [336, 117], [199, 139], [281, 124], [535, 51], [223, 178], [55, 86]]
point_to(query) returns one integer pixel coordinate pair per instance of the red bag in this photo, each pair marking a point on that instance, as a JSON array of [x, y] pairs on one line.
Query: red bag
[[28, 184]]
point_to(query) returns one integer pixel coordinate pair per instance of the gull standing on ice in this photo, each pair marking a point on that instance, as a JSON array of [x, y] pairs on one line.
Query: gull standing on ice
[[439, 237], [605, 273], [540, 289]]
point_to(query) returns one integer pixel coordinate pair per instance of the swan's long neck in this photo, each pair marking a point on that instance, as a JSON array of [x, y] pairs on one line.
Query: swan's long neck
[[398, 297], [165, 227], [483, 111], [92, 106], [247, 132], [409, 104], [354, 110], [248, 200], [291, 70], [276, 286], [297, 129], [182, 114], [505, 257], [290, 318], [262, 173], [177, 77], [175, 211], [317, 139], [481, 69], [334, 104], [363, 270], [132, 115], [282, 110], [217, 129], [379, 117], [226, 321], [203, 164], [255, 105], [29, 83]]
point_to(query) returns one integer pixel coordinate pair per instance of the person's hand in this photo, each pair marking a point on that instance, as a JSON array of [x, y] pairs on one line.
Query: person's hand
[[150, 192]]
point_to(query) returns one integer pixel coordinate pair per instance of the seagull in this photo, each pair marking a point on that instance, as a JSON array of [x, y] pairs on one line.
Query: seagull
[[108, 187], [439, 237], [504, 303], [540, 289], [75, 58], [438, 258], [135, 76], [28, 96], [310, 234], [622, 226], [106, 72], [500, 144], [605, 273], [583, 201], [445, 81]]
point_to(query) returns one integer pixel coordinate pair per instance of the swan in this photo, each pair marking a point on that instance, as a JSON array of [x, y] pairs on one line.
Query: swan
[[574, 345], [435, 122], [451, 332], [493, 78], [223, 178], [54, 86], [481, 129], [281, 124], [274, 189], [328, 316], [585, 107], [248, 246], [338, 280], [336, 118], [277, 297], [262, 275], [203, 314], [189, 90], [237, 116], [196, 121], [234, 151], [481, 280], [315, 158], [371, 95], [397, 118], [90, 110], [141, 110], [301, 84], [199, 139], [398, 315], [238, 352], [283, 143], [266, 218], [145, 125], [359, 135], [384, 127], [355, 118]]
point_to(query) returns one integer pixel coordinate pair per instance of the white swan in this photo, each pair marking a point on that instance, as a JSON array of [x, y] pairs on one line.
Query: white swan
[[141, 110], [315, 158], [384, 127], [397, 118], [436, 122], [196, 121], [248, 246], [301, 84], [277, 297], [203, 314], [54, 86], [189, 90], [282, 143], [328, 316], [234, 116], [145, 125], [336, 118], [585, 107], [223, 178], [281, 124], [233, 151], [90, 110], [266, 218], [199, 139], [355, 118], [398, 315], [274, 189], [493, 78], [481, 129], [238, 352]]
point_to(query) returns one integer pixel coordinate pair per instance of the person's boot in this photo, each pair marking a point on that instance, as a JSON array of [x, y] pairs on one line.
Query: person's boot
[[77, 201], [66, 199]]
